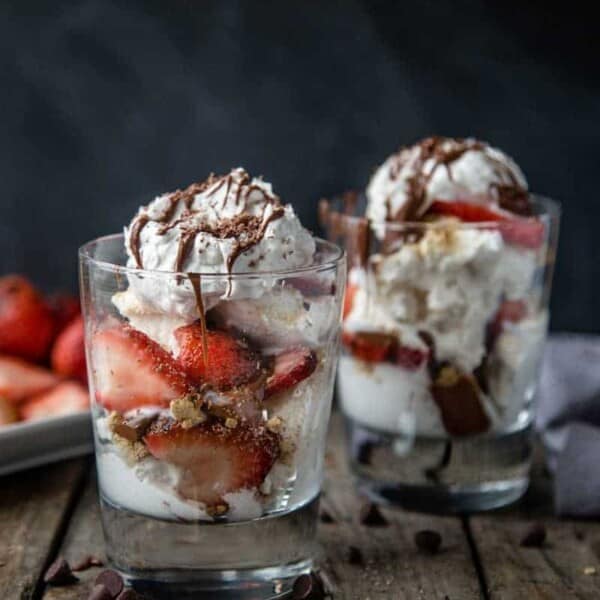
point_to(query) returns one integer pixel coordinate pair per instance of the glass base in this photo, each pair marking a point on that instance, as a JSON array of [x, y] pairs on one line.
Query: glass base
[[442, 474], [247, 560]]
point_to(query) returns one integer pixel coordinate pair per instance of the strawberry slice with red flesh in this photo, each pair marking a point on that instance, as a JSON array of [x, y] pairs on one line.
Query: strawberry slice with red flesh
[[131, 370], [376, 346], [289, 369], [214, 460], [68, 352], [66, 398], [20, 379], [528, 233], [230, 362], [26, 322]]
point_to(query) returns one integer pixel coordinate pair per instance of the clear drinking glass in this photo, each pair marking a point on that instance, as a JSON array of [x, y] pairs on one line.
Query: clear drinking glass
[[443, 332], [210, 489]]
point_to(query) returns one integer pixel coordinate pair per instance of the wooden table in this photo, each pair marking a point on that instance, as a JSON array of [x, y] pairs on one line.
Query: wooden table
[[53, 510]]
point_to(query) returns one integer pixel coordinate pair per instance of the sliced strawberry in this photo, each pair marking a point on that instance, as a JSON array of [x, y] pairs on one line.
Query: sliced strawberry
[[410, 358], [351, 289], [510, 311], [64, 307], [290, 368], [312, 286], [230, 361], [66, 398], [371, 346], [528, 233], [131, 370], [214, 459], [8, 412], [68, 352], [20, 379], [26, 322]]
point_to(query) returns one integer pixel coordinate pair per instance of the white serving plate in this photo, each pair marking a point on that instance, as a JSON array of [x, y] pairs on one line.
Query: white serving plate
[[30, 444]]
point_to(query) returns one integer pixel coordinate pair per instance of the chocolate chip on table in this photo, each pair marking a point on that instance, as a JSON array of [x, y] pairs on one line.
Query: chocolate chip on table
[[534, 537], [326, 517], [371, 516], [112, 581], [59, 573], [100, 592], [308, 587], [87, 562], [428, 541], [354, 555]]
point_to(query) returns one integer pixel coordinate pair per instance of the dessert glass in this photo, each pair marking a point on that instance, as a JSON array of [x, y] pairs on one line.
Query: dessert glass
[[424, 431], [208, 493]]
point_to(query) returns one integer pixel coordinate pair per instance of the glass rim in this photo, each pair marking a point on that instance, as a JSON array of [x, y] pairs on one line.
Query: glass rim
[[85, 255], [547, 209]]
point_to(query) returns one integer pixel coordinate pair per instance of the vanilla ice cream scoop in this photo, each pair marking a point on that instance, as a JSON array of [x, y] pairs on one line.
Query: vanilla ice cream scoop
[[444, 169], [225, 225]]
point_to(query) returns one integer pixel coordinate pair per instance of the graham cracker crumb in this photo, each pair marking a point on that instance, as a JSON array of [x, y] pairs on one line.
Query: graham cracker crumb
[[231, 423], [187, 411], [132, 452]]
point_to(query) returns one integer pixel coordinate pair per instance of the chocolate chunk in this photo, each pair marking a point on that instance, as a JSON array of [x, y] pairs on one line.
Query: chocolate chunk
[[86, 562], [428, 541], [326, 517], [308, 587], [59, 573], [133, 428], [371, 516], [100, 592], [129, 594], [354, 555], [112, 581], [534, 537], [457, 395]]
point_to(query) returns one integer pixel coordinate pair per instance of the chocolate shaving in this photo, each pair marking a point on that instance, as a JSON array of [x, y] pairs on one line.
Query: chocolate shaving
[[111, 580], [308, 587], [133, 428]]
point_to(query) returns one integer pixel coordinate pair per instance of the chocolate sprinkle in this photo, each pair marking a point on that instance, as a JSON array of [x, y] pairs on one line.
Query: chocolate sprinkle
[[534, 537], [111, 580], [371, 516], [59, 573], [428, 541]]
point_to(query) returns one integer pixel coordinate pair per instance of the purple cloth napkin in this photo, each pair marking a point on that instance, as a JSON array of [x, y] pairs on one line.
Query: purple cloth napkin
[[568, 418]]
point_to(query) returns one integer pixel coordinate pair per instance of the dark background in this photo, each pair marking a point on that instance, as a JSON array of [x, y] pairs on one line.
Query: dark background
[[104, 104]]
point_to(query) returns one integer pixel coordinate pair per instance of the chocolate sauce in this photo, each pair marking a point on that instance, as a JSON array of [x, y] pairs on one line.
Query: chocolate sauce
[[196, 281]]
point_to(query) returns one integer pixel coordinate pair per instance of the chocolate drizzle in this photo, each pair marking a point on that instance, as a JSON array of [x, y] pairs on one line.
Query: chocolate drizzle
[[435, 152], [196, 282]]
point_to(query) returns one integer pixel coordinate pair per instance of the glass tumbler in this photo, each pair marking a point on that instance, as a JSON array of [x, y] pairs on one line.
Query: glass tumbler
[[443, 332], [211, 398]]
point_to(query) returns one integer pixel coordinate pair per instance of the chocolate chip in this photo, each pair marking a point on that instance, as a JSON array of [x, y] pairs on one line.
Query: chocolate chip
[[354, 555], [326, 517], [308, 587], [129, 594], [534, 537], [111, 580], [428, 541], [371, 516], [59, 573], [100, 592], [86, 562]]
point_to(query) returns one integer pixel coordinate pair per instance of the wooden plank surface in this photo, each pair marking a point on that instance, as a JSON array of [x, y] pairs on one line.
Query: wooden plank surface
[[34, 508]]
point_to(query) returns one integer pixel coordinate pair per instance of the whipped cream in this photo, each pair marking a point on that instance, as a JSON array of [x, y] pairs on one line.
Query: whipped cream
[[225, 225], [405, 185]]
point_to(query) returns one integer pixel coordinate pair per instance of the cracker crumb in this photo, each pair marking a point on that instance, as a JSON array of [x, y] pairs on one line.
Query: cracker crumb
[[132, 452], [274, 424], [187, 411], [231, 423]]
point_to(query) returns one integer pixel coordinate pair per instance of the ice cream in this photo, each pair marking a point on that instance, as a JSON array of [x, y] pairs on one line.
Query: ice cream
[[443, 314], [213, 385]]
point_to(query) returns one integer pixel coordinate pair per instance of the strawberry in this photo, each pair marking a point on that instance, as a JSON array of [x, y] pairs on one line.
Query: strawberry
[[214, 459], [410, 358], [68, 353], [528, 233], [26, 323], [64, 399], [20, 379], [230, 361], [131, 370], [8, 413], [64, 307], [371, 346], [289, 369], [351, 289]]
